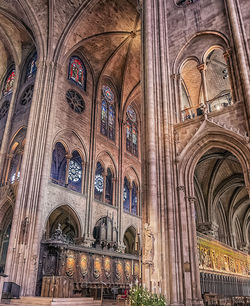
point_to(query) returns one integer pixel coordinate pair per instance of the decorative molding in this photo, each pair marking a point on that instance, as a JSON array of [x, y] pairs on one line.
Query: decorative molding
[[230, 129]]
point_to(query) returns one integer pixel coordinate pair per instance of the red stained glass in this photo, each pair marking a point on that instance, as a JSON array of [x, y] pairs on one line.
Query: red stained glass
[[77, 71], [8, 88]]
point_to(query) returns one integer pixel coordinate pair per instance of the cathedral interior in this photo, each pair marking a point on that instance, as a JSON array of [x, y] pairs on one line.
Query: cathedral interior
[[125, 149]]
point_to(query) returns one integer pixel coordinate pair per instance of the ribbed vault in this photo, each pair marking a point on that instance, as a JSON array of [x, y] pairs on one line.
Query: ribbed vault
[[223, 199]]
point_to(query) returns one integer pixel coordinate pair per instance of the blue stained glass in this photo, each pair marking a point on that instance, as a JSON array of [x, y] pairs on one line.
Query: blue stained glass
[[126, 196], [134, 135], [31, 69], [111, 116], [59, 163], [99, 181], [104, 110], [109, 187], [131, 132], [108, 113], [134, 199], [75, 172]]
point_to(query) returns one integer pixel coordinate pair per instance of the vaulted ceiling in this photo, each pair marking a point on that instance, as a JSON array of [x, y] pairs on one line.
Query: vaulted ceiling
[[109, 36], [221, 190]]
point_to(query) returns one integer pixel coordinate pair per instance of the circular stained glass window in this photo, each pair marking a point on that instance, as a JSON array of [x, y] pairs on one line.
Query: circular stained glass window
[[27, 95], [4, 109], [99, 183], [131, 114], [75, 171], [108, 94], [75, 101]]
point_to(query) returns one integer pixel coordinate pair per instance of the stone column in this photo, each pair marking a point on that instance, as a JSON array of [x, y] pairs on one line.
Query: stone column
[[240, 53], [68, 158], [196, 290], [21, 264], [150, 274], [202, 68]]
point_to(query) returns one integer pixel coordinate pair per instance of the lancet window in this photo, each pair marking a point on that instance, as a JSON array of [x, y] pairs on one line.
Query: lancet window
[[32, 67], [126, 195], [77, 72], [9, 83], [109, 187], [59, 164], [131, 131], [75, 172], [130, 197], [67, 169], [108, 113], [99, 181]]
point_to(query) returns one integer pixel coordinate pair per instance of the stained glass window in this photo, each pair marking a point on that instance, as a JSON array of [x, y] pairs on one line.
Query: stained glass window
[[134, 201], [58, 166], [99, 181], [108, 113], [75, 172], [9, 83], [14, 173], [77, 71], [131, 131], [126, 195], [109, 187], [31, 68]]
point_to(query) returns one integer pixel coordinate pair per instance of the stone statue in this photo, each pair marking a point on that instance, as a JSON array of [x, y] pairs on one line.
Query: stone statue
[[148, 243]]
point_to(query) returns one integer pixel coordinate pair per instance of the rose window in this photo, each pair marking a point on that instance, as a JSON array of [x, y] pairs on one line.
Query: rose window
[[4, 109], [99, 183], [75, 101], [27, 95], [75, 171]]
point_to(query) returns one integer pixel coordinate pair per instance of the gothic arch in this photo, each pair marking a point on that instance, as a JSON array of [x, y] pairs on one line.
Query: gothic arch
[[63, 213], [205, 140], [191, 48]]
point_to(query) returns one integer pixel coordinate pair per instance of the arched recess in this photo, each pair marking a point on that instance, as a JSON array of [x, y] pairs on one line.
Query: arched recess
[[5, 229], [65, 218], [207, 146], [131, 241]]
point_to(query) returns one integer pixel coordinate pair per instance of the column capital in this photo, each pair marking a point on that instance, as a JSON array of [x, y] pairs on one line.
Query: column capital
[[68, 156], [202, 67]]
